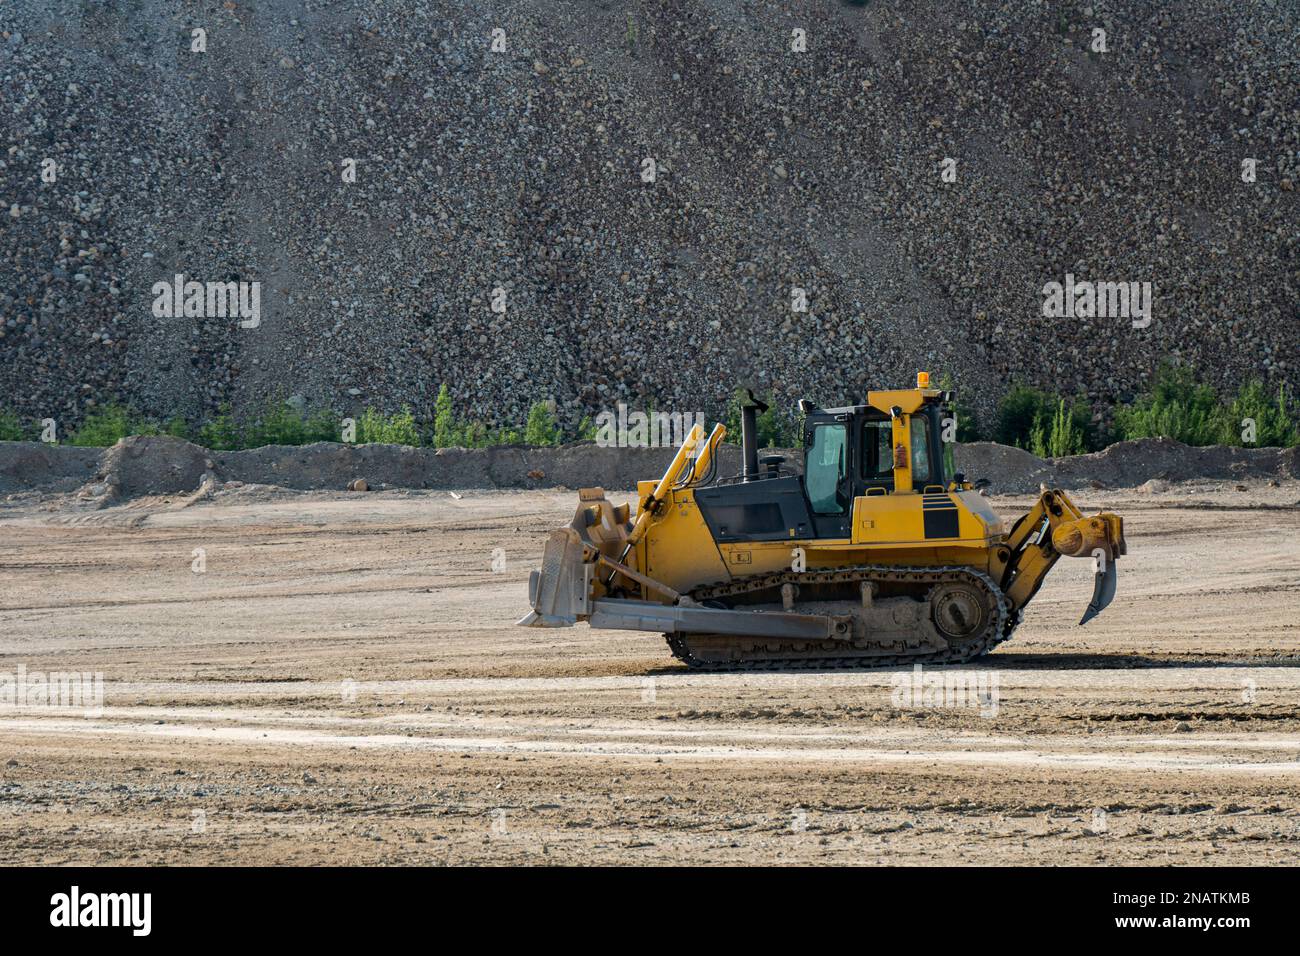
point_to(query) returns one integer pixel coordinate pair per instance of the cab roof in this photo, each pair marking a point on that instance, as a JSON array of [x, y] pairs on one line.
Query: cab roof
[[909, 400]]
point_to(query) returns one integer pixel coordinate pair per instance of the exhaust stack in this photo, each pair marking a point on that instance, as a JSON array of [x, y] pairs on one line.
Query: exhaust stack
[[749, 434]]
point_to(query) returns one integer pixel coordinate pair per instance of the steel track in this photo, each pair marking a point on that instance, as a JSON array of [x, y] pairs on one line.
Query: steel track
[[830, 655]]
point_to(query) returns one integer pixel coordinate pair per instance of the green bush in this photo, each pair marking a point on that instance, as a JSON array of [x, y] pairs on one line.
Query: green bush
[[322, 425], [109, 425], [474, 435], [11, 428], [222, 433], [1177, 407], [541, 428], [479, 435], [1021, 409], [1180, 408], [450, 432], [1060, 436], [280, 424], [1031, 419], [1275, 425], [177, 427], [398, 429], [446, 434]]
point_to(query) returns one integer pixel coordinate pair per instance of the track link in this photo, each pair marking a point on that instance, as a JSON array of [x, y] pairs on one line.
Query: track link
[[831, 655]]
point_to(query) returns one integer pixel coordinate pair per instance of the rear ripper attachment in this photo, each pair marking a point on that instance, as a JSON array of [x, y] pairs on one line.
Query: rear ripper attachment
[[872, 555]]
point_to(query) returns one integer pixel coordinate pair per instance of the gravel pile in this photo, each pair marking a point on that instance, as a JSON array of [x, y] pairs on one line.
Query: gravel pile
[[523, 171]]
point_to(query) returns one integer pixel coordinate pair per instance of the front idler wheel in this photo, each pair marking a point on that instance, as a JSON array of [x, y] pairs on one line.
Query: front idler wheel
[[959, 611]]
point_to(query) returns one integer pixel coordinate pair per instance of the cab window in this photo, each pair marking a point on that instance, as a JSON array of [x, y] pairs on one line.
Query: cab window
[[825, 467], [877, 458], [878, 455], [920, 450]]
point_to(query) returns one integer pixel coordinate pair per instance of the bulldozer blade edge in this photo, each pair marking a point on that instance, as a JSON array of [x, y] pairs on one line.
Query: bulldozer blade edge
[[648, 616]]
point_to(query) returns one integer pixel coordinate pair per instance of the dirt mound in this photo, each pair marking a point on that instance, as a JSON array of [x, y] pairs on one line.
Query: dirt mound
[[1008, 469], [1133, 462], [153, 465], [1125, 464], [333, 465], [31, 464], [163, 465]]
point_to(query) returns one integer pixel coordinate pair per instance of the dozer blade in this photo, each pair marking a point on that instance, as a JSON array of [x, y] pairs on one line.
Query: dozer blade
[[628, 615], [559, 591], [1103, 592]]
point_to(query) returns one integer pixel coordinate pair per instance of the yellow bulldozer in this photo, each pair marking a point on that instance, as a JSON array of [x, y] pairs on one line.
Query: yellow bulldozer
[[874, 555]]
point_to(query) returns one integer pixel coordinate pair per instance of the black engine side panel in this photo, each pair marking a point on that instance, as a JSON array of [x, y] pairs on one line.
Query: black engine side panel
[[770, 509]]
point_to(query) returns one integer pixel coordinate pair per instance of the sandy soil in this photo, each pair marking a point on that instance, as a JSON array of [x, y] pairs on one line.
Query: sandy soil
[[343, 684]]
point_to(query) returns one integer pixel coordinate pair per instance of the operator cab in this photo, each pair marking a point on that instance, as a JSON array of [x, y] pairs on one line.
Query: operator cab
[[850, 452]]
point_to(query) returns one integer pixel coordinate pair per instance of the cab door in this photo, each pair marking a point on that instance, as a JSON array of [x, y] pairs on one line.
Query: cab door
[[829, 466]]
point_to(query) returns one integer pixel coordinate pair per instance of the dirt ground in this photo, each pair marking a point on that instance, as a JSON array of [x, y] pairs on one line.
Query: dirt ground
[[340, 681]]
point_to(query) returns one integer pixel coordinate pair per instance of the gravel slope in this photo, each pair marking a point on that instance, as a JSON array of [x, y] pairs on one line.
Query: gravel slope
[[521, 170]]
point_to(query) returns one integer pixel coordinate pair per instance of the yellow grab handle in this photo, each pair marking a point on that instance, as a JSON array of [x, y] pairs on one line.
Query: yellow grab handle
[[706, 454], [665, 484]]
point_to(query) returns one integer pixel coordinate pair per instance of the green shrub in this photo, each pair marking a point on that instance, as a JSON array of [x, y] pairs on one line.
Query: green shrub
[[107, 426], [177, 427], [1060, 436], [479, 435], [370, 427], [450, 432], [446, 434], [541, 428], [1275, 425], [1050, 426], [322, 425], [401, 429], [1021, 409], [474, 435], [11, 428], [1031, 419], [1177, 407], [1180, 408], [398, 429], [280, 424], [220, 434]]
